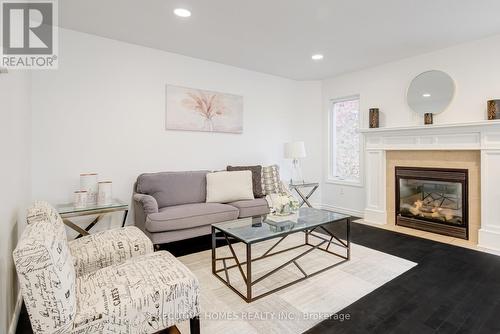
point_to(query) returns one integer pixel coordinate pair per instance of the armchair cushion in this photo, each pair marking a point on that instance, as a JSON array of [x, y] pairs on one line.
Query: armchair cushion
[[143, 295], [106, 248]]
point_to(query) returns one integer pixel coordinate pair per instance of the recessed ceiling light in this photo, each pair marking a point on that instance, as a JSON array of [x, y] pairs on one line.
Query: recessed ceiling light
[[317, 57], [182, 12], [426, 95]]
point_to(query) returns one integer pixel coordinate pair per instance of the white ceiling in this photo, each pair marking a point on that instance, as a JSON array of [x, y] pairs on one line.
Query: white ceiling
[[279, 36]]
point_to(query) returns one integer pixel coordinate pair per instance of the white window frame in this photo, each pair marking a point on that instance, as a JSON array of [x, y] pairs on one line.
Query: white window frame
[[331, 158]]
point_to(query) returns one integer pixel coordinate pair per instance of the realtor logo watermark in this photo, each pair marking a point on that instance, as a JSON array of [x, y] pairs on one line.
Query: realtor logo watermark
[[29, 34]]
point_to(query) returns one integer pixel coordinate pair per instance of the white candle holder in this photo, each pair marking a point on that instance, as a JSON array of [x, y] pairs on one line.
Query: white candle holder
[[88, 183], [105, 196]]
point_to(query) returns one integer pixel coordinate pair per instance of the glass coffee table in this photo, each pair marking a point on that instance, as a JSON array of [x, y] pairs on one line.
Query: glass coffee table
[[249, 231]]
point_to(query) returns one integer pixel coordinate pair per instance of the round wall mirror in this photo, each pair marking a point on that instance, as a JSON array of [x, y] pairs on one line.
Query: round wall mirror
[[430, 92]]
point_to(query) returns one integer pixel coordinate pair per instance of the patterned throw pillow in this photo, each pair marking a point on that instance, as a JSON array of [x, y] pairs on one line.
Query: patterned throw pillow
[[271, 183], [256, 178]]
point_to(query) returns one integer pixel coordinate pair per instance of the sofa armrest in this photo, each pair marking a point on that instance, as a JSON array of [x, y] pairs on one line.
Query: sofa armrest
[[148, 203], [102, 249]]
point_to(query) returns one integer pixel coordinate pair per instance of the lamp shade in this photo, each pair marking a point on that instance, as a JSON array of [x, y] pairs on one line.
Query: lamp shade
[[295, 150]]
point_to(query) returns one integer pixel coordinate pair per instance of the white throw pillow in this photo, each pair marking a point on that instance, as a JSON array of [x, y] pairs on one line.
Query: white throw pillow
[[225, 187]]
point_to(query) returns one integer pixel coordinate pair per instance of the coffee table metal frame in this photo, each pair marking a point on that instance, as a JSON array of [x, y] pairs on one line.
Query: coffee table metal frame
[[325, 239]]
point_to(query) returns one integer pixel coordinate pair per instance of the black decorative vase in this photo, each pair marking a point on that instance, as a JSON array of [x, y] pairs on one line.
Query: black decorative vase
[[428, 119], [493, 109], [374, 118]]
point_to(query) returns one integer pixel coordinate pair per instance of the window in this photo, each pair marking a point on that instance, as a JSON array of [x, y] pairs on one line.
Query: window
[[345, 141]]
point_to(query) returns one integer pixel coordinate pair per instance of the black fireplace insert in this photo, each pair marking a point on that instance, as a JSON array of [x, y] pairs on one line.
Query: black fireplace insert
[[433, 199]]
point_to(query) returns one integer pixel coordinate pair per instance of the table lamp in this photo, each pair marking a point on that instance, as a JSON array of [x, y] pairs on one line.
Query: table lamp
[[295, 151]]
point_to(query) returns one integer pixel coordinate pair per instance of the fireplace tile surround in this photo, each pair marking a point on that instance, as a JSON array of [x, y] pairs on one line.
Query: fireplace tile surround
[[474, 146]]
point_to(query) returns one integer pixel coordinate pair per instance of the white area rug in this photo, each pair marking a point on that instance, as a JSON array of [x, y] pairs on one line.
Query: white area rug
[[298, 307]]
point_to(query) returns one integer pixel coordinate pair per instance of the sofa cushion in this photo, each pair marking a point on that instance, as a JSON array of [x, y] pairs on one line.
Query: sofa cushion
[[174, 188], [256, 177], [189, 215], [225, 187], [250, 208]]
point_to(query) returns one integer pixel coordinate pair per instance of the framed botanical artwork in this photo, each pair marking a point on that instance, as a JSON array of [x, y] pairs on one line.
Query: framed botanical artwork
[[203, 110]]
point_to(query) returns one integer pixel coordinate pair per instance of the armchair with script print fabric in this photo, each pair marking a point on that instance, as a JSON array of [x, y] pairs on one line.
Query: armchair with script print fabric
[[143, 294], [98, 250]]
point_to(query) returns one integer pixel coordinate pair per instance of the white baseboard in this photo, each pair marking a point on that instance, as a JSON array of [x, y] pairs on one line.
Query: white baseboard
[[489, 239], [15, 316], [375, 217], [345, 211]]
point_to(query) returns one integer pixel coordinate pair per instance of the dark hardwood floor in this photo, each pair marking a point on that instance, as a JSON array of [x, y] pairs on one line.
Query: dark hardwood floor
[[451, 290]]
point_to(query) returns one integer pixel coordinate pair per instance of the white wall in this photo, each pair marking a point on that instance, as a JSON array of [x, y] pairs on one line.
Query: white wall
[[15, 128], [103, 110], [474, 67], [307, 127]]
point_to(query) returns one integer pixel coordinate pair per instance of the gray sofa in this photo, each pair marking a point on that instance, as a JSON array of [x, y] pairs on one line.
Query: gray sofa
[[171, 206]]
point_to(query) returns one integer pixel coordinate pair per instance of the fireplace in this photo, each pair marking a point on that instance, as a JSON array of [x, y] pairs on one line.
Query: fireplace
[[433, 199]]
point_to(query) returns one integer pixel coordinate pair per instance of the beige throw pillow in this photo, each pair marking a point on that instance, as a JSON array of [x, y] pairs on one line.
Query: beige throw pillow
[[225, 187]]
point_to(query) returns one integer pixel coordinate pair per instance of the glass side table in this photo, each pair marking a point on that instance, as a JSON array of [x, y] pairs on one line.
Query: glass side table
[[69, 211], [305, 198]]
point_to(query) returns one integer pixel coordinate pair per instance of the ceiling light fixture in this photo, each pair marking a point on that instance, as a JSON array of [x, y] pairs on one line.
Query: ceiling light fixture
[[182, 12], [317, 57], [426, 95]]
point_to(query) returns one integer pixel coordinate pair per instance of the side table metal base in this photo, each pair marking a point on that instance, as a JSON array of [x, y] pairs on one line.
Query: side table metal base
[[304, 197], [99, 212]]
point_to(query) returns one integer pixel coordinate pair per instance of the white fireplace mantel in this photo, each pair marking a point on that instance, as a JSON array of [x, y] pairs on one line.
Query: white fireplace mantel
[[483, 136]]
